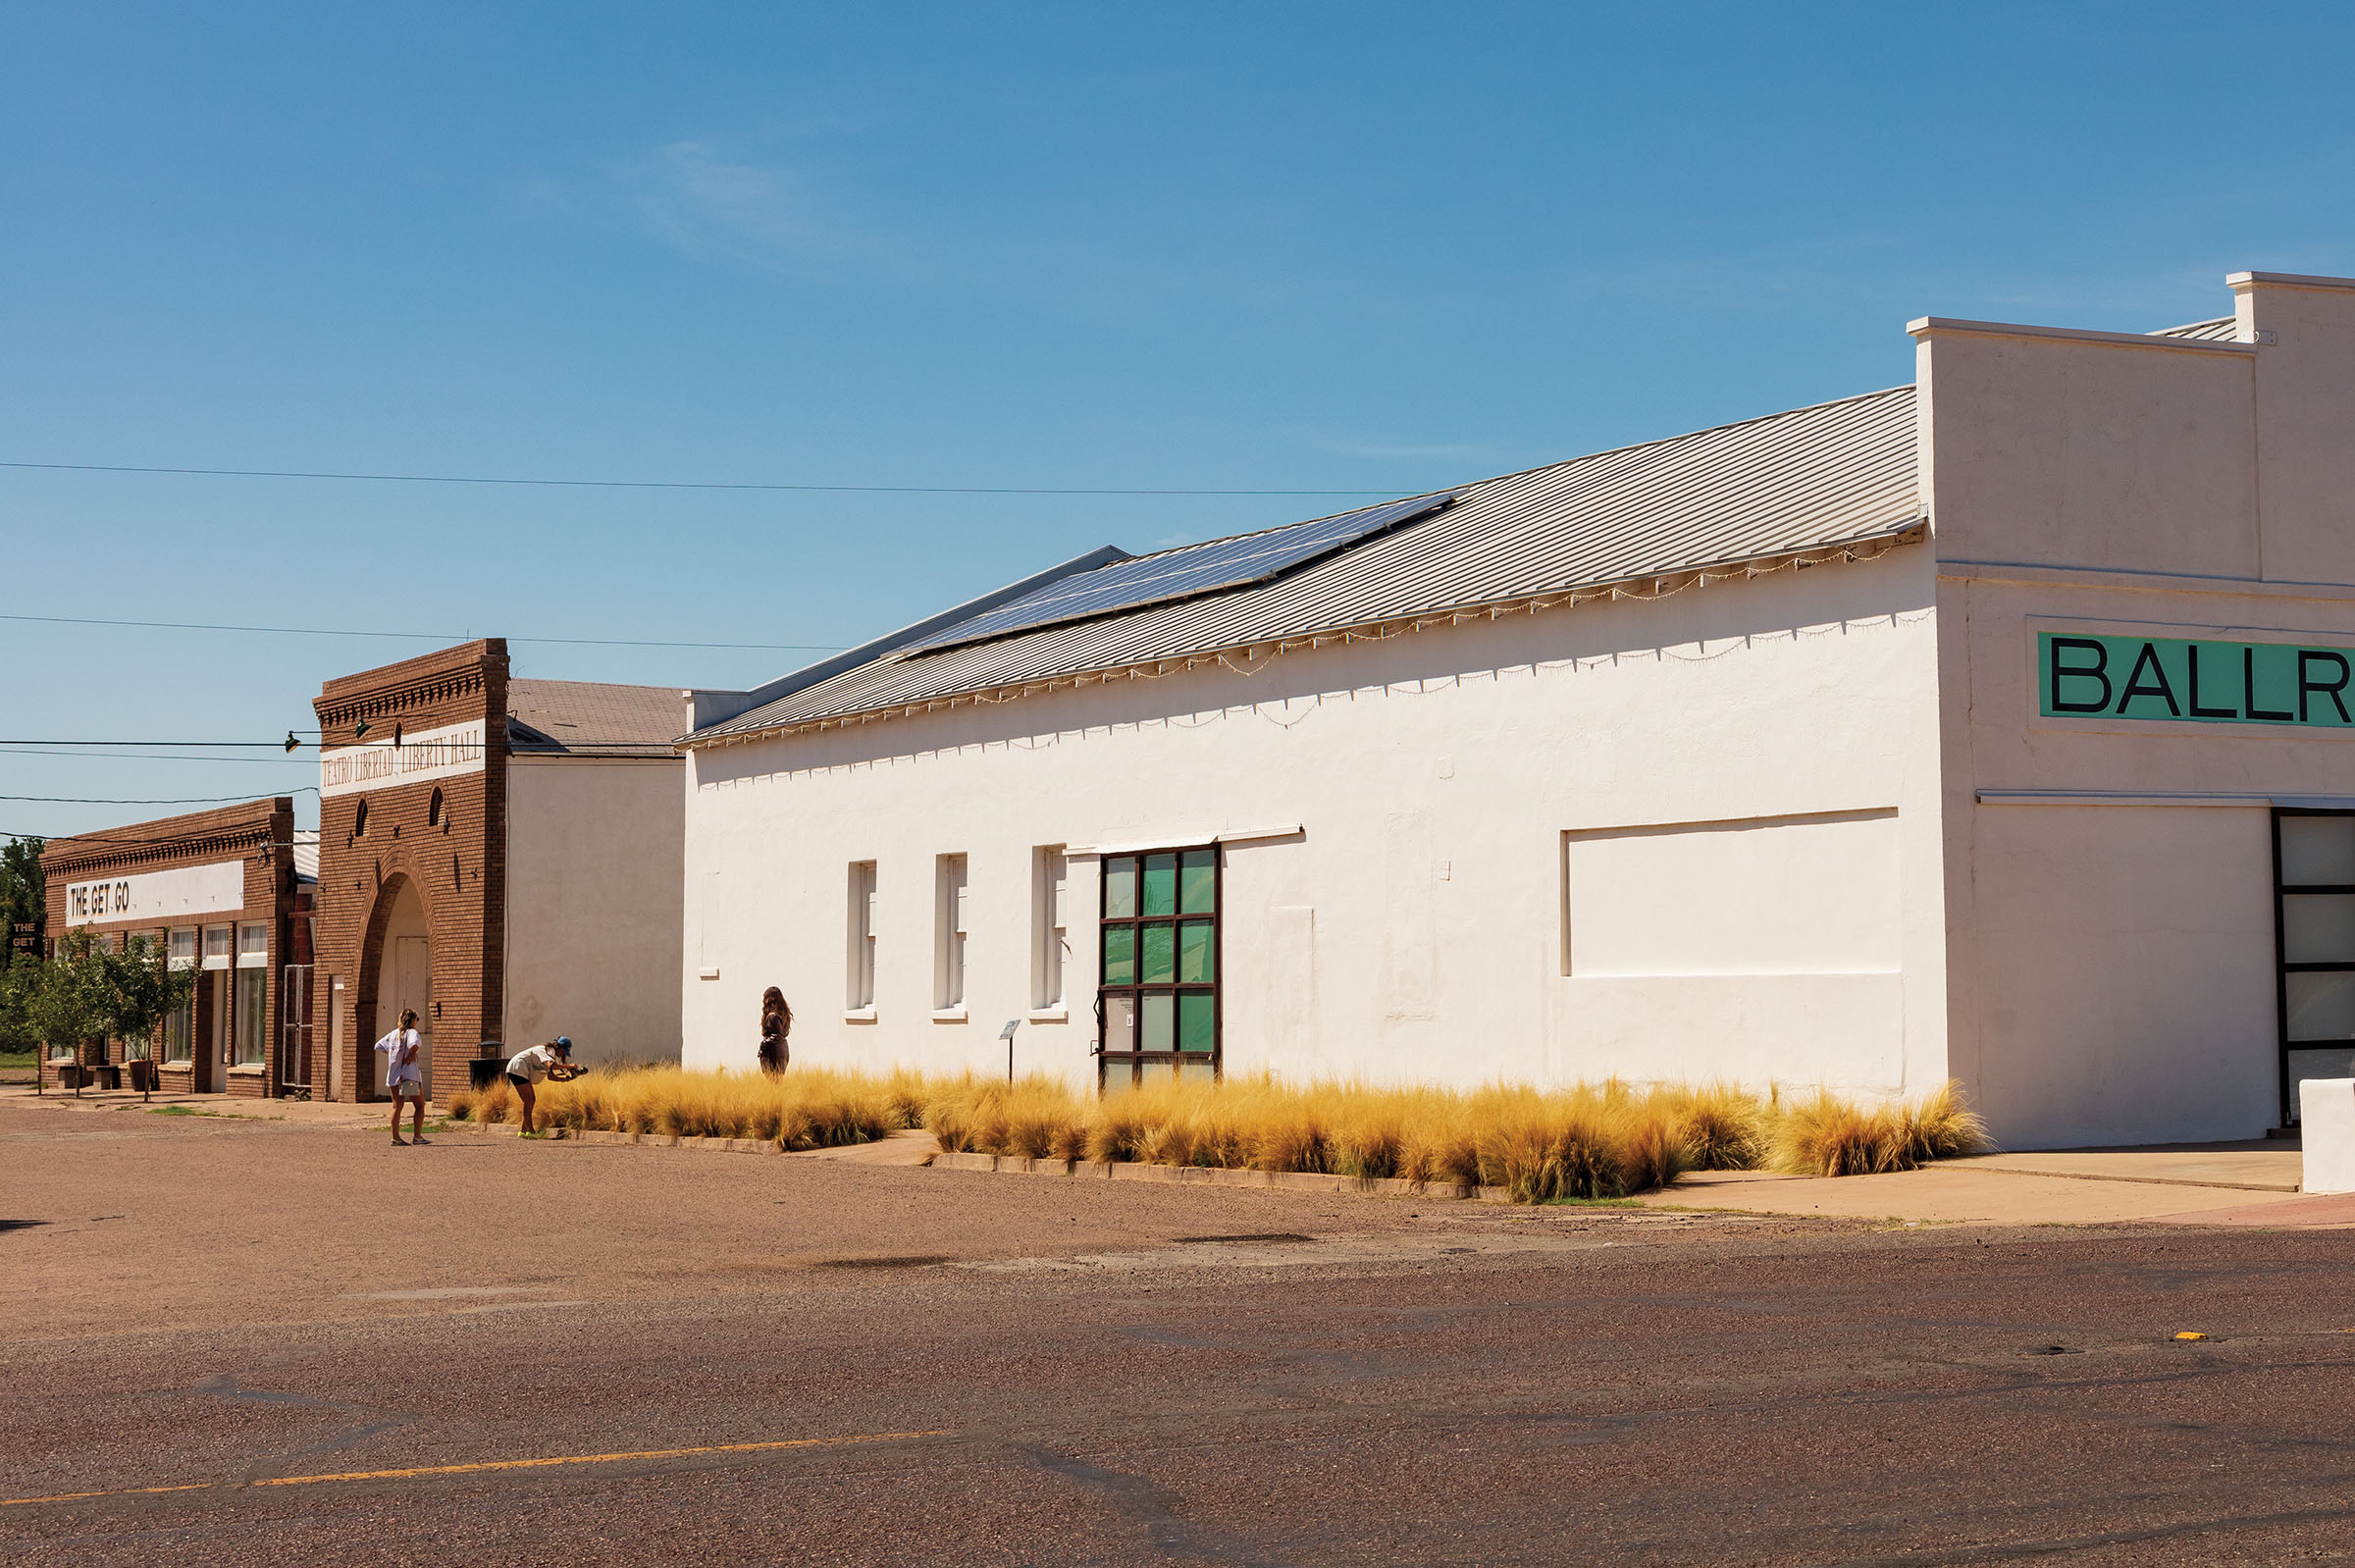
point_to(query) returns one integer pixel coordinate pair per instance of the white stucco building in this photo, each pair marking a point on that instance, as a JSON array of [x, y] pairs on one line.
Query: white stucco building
[[1995, 727]]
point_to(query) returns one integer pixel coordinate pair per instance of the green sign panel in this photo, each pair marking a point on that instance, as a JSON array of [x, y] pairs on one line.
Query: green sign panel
[[2207, 683]]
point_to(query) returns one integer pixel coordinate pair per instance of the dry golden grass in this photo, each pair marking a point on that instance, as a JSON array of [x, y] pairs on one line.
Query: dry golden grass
[[1826, 1135], [1585, 1143], [1725, 1126], [805, 1109], [1592, 1141]]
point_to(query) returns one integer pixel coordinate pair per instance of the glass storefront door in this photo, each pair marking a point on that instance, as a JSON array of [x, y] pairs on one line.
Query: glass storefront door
[[2314, 935]]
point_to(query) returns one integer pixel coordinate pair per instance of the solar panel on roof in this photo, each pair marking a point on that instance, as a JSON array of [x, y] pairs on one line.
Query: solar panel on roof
[[1221, 565]]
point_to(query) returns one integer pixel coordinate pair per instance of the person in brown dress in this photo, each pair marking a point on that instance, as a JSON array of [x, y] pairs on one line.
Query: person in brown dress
[[776, 1021]]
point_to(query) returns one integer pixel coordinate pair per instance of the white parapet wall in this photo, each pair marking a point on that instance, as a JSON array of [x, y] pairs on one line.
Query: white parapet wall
[[593, 933]]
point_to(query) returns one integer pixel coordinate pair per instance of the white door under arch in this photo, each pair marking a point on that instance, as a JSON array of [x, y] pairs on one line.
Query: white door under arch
[[404, 980], [413, 988]]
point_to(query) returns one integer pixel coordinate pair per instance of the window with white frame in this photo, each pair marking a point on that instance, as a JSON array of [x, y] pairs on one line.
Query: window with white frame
[[1050, 936], [253, 946], [859, 991], [250, 1021], [219, 943], [182, 945], [179, 1034], [948, 928]]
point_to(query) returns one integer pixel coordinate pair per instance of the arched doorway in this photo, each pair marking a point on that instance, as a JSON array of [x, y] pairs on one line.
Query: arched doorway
[[404, 977]]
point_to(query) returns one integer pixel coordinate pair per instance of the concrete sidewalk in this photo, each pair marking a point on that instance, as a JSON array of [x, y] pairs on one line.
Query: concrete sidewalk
[[313, 1113], [2237, 1184]]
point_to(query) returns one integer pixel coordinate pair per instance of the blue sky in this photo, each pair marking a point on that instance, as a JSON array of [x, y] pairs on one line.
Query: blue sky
[[1294, 247]]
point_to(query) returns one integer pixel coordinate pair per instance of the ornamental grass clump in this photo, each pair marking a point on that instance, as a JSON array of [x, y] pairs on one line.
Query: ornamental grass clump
[[1585, 1144], [1941, 1127], [1037, 1119], [1724, 1126]]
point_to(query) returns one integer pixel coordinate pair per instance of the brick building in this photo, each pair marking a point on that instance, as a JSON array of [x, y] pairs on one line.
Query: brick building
[[224, 893], [502, 856]]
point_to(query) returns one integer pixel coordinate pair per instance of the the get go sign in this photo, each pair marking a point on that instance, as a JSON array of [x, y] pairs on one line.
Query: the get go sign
[[2193, 682]]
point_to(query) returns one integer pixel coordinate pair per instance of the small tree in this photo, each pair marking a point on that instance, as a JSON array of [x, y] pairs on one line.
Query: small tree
[[22, 897], [66, 1002], [143, 988], [16, 1032], [90, 992]]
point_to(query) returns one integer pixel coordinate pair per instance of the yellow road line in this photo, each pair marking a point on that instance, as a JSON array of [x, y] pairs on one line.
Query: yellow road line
[[127, 1491], [481, 1465]]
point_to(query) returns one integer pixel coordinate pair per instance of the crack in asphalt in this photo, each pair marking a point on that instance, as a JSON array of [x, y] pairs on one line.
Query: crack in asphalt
[[1152, 1505], [230, 1386]]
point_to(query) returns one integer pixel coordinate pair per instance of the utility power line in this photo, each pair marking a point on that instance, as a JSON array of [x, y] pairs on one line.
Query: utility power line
[[667, 484], [25, 747], [427, 637], [117, 838], [182, 800], [143, 756]]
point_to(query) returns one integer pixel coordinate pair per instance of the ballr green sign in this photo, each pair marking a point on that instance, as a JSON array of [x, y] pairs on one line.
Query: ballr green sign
[[2209, 683]]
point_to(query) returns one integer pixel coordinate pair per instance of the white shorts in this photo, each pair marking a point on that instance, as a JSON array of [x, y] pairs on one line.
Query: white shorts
[[411, 1087]]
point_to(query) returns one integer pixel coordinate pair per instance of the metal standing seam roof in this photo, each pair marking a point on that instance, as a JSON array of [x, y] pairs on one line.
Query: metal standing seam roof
[[591, 718], [2222, 329], [1833, 474]]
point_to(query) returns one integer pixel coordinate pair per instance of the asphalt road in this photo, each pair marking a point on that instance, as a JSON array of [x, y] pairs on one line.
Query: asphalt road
[[341, 1352]]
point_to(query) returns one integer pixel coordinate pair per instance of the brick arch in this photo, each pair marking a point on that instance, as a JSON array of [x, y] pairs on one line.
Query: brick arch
[[371, 965]]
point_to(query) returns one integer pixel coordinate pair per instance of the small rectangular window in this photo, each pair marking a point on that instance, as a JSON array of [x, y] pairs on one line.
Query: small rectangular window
[[180, 1033], [860, 989], [1161, 884], [218, 944], [1119, 888], [949, 932], [1119, 955], [184, 948], [253, 947], [1198, 882], [252, 1016], [1050, 933]]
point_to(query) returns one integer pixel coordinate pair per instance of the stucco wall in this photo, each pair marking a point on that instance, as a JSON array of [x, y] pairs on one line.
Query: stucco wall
[[2111, 965], [593, 905], [1413, 928]]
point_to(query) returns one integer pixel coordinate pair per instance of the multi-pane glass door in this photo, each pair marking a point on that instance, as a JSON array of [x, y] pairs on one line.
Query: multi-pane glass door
[[2313, 933], [1157, 1004]]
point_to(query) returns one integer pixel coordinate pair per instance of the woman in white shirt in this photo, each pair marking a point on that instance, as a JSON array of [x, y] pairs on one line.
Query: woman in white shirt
[[526, 1067], [405, 1074]]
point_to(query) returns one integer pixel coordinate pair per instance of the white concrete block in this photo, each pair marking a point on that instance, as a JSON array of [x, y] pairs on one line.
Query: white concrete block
[[2327, 1128]]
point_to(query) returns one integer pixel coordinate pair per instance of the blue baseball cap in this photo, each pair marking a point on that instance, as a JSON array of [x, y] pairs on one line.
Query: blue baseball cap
[[563, 1042]]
